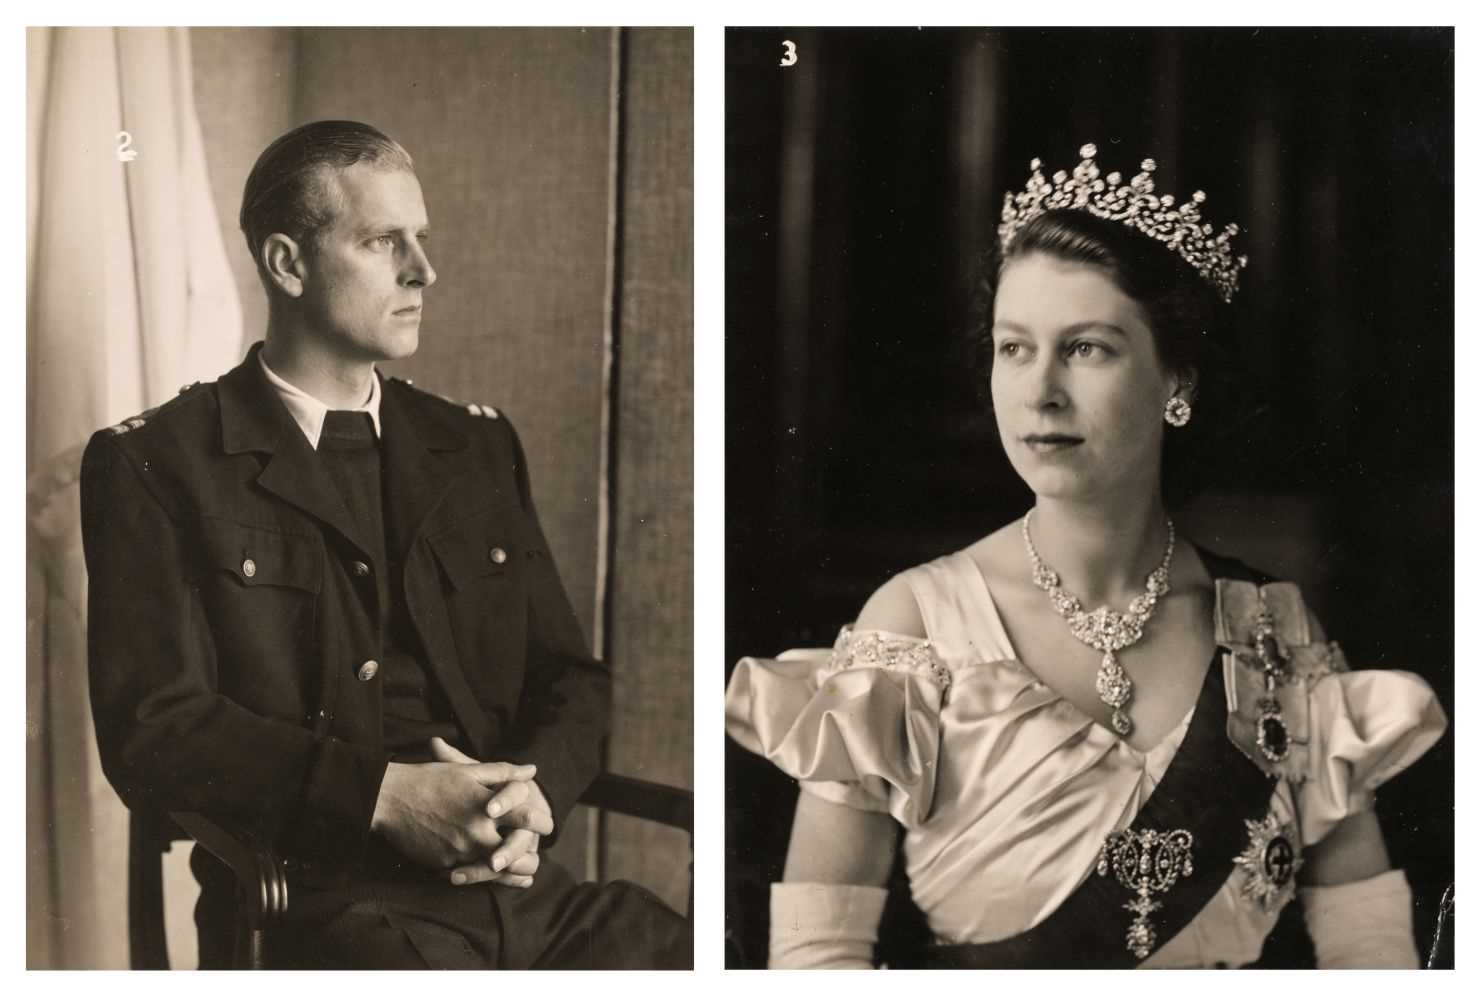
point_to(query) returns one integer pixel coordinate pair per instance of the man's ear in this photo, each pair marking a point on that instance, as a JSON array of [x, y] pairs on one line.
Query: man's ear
[[283, 262]]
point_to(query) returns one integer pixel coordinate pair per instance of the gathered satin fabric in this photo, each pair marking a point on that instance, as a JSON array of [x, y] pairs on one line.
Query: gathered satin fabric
[[1007, 790]]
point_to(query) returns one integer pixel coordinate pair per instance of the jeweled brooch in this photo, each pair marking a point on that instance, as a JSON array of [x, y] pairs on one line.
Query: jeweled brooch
[[1271, 862], [1271, 728], [1146, 862]]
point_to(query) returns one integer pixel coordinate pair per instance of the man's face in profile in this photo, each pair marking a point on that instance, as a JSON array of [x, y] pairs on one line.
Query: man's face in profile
[[366, 270]]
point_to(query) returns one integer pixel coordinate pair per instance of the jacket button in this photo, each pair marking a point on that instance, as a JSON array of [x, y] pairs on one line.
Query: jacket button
[[368, 670], [249, 568], [497, 555], [360, 569]]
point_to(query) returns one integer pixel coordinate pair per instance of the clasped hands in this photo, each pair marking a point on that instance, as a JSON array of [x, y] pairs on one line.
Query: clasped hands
[[442, 815]]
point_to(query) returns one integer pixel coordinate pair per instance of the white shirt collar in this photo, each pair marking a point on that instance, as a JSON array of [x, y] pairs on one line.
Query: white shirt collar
[[309, 412]]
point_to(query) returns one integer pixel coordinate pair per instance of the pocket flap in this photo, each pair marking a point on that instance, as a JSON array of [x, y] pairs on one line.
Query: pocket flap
[[258, 557], [470, 552]]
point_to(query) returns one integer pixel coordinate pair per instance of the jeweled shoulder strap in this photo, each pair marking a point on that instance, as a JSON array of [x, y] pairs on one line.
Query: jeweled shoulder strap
[[1155, 876]]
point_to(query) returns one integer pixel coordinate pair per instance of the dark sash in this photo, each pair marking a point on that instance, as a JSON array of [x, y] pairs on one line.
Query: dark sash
[[1209, 787]]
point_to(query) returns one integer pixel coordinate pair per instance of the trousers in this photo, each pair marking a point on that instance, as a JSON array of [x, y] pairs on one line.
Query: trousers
[[402, 917]]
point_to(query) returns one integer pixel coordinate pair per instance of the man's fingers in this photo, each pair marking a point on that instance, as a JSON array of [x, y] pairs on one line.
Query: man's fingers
[[447, 753], [472, 874], [530, 816], [500, 772], [516, 845], [507, 798], [526, 864], [517, 874]]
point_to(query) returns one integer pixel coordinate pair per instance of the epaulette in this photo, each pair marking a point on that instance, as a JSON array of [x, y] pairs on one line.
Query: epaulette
[[135, 422], [473, 409]]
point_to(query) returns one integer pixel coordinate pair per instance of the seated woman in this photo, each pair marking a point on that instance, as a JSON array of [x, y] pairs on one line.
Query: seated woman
[[1090, 788]]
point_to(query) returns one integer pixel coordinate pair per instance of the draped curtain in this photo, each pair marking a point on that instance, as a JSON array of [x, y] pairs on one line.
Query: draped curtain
[[129, 297]]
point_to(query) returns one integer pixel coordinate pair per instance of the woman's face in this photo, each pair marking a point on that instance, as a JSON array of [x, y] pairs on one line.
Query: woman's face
[[1078, 389]]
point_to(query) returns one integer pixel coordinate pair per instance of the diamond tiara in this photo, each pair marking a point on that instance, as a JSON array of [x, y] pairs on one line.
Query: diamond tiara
[[1133, 204]]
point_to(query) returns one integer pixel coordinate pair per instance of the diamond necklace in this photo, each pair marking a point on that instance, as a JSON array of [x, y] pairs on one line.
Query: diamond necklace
[[1104, 629]]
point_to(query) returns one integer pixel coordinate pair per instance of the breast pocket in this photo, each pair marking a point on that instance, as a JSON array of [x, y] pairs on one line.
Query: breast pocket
[[255, 557], [482, 563], [261, 589]]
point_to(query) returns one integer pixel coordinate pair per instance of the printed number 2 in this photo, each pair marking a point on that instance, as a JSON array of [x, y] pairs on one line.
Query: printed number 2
[[790, 54], [123, 152]]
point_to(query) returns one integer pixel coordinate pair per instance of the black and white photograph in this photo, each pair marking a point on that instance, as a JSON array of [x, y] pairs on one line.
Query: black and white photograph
[[1089, 498], [359, 498]]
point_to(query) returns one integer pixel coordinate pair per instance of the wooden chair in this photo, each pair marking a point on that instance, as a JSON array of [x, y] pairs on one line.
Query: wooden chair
[[262, 883]]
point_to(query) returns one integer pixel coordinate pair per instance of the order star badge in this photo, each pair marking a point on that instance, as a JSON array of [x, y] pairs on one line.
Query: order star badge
[[1271, 862]]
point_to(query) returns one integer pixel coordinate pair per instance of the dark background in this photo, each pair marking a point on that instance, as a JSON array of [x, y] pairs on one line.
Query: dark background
[[863, 183]]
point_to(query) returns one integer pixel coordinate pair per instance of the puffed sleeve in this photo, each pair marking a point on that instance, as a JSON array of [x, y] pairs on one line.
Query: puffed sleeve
[[1349, 730], [858, 725], [1365, 727]]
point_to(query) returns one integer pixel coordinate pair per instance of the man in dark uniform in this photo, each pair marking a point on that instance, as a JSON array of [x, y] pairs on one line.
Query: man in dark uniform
[[322, 608]]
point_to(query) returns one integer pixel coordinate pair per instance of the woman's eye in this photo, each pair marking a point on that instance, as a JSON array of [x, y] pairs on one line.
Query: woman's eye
[[1009, 350], [1089, 350]]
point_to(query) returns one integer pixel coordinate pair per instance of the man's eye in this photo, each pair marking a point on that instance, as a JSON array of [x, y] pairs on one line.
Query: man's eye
[[384, 241]]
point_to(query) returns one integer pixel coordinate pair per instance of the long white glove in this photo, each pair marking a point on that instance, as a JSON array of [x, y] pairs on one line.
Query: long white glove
[[818, 926], [1362, 925]]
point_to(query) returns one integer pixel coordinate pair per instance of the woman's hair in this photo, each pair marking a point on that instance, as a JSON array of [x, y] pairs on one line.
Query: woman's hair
[[286, 190], [1192, 327]]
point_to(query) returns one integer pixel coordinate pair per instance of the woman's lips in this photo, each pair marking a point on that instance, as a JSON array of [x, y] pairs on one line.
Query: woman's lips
[[1047, 443]]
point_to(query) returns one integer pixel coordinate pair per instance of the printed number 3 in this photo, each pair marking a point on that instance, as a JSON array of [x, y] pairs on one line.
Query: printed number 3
[[790, 54]]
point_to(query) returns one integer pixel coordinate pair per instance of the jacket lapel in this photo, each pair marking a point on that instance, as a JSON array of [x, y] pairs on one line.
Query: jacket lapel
[[419, 452], [254, 419]]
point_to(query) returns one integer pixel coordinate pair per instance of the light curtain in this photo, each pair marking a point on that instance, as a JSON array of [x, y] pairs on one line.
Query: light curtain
[[129, 297]]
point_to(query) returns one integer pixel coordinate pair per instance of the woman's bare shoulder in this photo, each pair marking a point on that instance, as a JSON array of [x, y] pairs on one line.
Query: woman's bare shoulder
[[893, 608]]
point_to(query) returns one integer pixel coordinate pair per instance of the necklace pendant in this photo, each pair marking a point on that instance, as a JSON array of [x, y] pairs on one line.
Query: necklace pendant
[[1108, 630], [1114, 686]]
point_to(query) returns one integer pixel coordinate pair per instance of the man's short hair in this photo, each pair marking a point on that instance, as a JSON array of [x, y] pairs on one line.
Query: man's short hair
[[287, 191]]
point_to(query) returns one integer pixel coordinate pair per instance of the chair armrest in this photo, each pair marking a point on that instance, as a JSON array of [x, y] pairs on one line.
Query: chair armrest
[[648, 800], [260, 873]]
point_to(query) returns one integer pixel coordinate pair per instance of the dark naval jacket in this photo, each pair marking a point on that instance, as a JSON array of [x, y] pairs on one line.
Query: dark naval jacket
[[235, 628]]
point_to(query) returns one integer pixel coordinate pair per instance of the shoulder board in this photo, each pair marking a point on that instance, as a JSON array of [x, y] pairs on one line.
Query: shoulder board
[[135, 422], [472, 409]]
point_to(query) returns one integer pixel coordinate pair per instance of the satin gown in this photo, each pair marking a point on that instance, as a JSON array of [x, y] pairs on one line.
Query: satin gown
[[1007, 791]]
